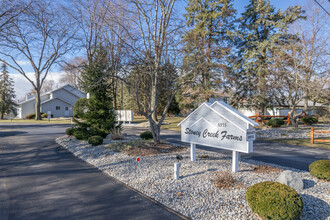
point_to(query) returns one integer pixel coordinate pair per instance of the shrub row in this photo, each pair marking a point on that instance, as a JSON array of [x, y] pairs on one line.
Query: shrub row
[[33, 115], [275, 122], [308, 120]]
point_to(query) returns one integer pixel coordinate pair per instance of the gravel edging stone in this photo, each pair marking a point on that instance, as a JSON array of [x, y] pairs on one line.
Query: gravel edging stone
[[194, 194]]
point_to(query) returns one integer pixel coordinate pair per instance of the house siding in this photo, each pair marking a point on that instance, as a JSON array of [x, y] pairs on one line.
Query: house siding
[[27, 108], [65, 95], [51, 106], [62, 97]]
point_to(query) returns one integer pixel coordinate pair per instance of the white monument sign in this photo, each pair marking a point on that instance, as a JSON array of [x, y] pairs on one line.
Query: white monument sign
[[221, 126], [124, 115]]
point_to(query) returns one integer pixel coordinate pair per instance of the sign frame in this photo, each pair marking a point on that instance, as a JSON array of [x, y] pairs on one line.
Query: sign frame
[[220, 126]]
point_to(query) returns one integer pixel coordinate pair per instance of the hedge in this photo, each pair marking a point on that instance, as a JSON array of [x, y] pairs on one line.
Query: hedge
[[320, 169], [273, 200]]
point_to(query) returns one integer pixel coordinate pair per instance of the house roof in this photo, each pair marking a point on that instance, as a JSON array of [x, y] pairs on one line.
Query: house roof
[[236, 113], [229, 109], [49, 92], [50, 100]]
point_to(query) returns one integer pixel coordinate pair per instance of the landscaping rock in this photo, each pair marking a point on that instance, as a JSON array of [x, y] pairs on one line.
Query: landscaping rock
[[291, 179]]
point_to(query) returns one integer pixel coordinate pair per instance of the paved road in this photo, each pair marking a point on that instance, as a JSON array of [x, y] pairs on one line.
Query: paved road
[[41, 180], [298, 157]]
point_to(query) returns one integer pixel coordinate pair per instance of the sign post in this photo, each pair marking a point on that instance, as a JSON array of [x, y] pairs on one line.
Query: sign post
[[221, 126], [193, 152], [49, 115]]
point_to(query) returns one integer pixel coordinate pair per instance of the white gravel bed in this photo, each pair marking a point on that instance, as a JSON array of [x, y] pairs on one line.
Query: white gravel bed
[[292, 133], [194, 194]]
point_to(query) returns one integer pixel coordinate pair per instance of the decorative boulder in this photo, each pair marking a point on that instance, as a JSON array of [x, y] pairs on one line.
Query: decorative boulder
[[291, 179]]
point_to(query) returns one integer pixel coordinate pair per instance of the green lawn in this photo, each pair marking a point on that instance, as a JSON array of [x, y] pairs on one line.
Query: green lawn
[[52, 121], [170, 123], [303, 142]]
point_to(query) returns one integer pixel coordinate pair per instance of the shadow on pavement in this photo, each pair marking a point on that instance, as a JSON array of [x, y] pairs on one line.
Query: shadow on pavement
[[11, 133]]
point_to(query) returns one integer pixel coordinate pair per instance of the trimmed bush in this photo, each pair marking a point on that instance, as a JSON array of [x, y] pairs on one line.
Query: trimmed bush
[[320, 169], [95, 140], [275, 122], [147, 135], [80, 134], [308, 120], [97, 132], [45, 115], [69, 131], [273, 200], [33, 115], [30, 116]]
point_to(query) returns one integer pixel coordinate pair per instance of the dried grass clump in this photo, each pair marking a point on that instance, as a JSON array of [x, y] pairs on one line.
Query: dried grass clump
[[266, 169], [205, 156], [224, 179]]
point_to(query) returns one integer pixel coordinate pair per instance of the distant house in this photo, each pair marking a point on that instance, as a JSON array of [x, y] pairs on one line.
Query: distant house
[[59, 101], [314, 108]]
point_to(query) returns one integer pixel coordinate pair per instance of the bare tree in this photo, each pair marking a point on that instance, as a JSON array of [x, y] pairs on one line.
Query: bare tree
[[90, 18], [156, 25], [72, 71], [287, 81], [9, 10], [41, 35], [314, 35]]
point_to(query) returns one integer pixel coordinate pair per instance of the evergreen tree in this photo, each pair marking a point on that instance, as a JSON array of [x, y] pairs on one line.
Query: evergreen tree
[[260, 33], [99, 117], [207, 45], [7, 93]]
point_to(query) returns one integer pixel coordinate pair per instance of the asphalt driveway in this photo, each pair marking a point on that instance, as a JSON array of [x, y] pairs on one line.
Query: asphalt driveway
[[298, 157], [41, 180]]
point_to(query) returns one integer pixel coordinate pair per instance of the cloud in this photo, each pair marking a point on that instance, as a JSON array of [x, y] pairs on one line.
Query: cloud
[[23, 86], [22, 62]]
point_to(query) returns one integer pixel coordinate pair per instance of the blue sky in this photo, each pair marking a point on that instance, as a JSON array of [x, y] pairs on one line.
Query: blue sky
[[279, 4]]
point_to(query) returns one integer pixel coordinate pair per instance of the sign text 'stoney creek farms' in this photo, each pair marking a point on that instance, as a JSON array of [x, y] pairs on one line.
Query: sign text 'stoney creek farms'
[[219, 125]]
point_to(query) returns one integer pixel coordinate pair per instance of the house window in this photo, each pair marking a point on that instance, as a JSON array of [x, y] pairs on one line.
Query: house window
[[66, 108], [58, 107]]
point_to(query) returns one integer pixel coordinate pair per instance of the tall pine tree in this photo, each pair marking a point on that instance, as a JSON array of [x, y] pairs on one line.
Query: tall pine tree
[[7, 93], [99, 117], [207, 45], [260, 33]]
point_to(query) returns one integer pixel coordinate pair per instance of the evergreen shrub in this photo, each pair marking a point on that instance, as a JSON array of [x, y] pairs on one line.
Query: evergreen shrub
[[80, 134], [308, 120], [275, 122], [69, 131], [320, 169], [95, 140], [79, 107], [147, 135], [273, 200]]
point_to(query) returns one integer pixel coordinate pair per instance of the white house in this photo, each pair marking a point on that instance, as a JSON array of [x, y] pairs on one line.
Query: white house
[[59, 101]]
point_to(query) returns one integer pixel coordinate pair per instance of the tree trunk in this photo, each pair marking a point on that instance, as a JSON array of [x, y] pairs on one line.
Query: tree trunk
[[263, 92], [306, 102], [2, 113], [155, 130], [37, 104], [154, 94]]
